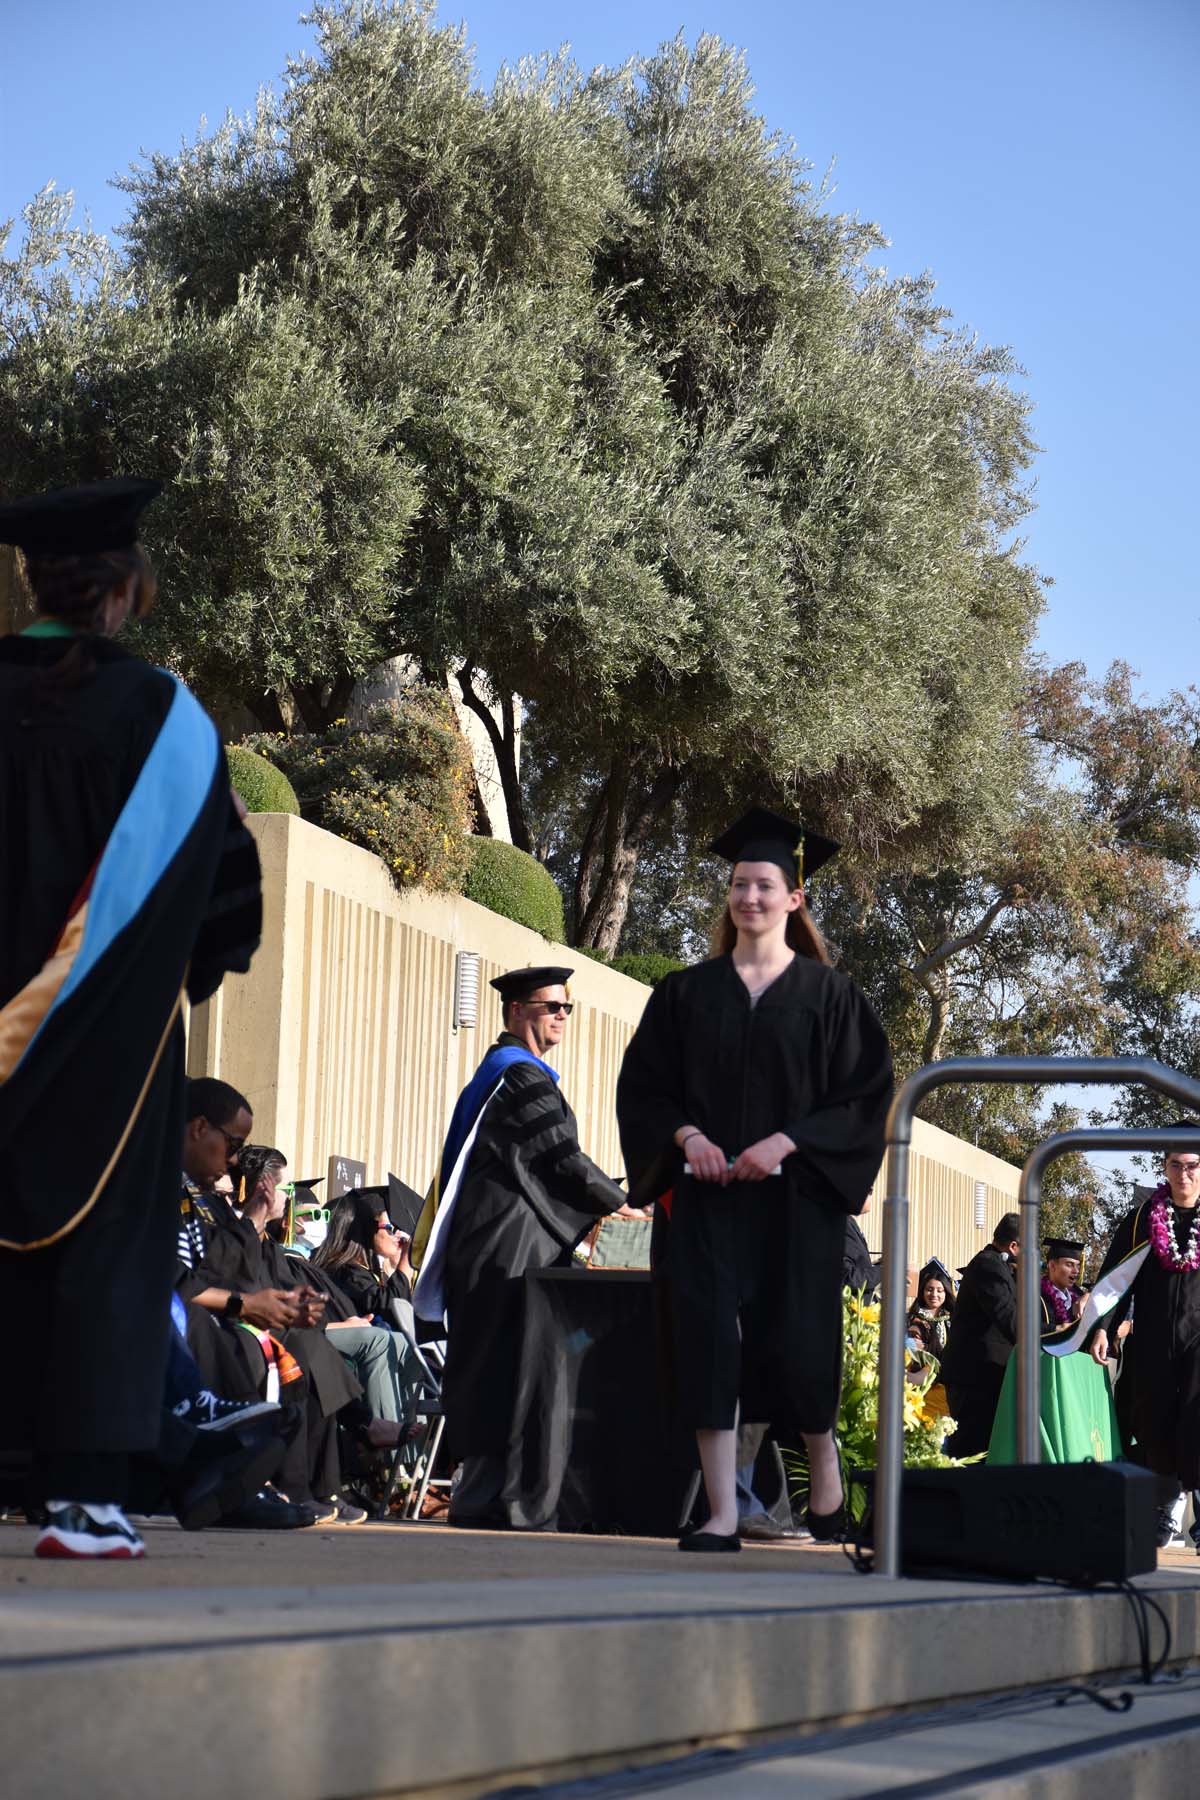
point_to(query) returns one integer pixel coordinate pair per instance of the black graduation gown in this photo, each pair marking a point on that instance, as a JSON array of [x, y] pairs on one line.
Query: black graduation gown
[[752, 1275], [84, 1319], [364, 1293], [859, 1273], [1160, 1374], [235, 1257], [528, 1196], [983, 1334]]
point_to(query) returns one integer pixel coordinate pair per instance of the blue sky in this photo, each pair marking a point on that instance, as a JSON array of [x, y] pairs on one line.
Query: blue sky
[[1039, 156]]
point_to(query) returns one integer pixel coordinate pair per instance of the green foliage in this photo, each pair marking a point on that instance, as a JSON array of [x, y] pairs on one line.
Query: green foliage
[[857, 1427], [399, 785], [649, 967], [262, 786], [511, 883], [573, 383]]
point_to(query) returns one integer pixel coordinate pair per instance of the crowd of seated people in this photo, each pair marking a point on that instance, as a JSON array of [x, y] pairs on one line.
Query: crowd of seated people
[[265, 1324]]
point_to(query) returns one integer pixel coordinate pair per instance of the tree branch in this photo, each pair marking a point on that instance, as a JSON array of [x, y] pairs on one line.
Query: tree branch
[[966, 941]]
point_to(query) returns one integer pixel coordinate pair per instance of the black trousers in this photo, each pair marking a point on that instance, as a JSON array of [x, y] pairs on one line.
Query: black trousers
[[974, 1408]]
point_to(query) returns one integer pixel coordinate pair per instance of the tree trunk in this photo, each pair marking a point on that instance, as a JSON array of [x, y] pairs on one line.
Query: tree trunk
[[939, 1018], [319, 703], [268, 709], [589, 862], [631, 806], [503, 739]]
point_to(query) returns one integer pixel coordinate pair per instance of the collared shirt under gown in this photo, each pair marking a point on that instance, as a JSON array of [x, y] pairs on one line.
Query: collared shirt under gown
[[751, 1275]]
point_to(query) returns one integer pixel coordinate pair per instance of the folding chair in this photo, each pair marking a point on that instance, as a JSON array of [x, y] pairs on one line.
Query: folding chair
[[431, 1357]]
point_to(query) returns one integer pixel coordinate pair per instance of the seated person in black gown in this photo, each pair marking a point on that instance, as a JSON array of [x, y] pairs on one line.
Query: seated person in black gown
[[365, 1254], [376, 1354]]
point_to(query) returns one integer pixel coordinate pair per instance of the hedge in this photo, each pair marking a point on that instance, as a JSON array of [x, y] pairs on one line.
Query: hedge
[[262, 786], [650, 966], [511, 883]]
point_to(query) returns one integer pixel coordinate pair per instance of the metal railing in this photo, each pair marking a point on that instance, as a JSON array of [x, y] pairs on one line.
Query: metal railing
[[1109, 1071]]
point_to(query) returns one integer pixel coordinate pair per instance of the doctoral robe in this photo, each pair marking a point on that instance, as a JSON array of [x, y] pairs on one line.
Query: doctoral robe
[[125, 876], [751, 1275], [528, 1195]]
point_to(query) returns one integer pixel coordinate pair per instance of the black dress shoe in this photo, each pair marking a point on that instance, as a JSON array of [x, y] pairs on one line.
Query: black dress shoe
[[711, 1543], [827, 1528], [268, 1511], [225, 1471]]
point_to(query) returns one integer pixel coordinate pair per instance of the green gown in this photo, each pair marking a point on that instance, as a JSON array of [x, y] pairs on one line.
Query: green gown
[[1078, 1418]]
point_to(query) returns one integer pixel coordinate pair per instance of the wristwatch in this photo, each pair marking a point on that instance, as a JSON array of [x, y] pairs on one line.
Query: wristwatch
[[233, 1306]]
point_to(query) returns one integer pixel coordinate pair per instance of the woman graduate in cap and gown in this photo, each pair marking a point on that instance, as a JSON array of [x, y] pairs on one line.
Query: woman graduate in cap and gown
[[754, 1096], [126, 880]]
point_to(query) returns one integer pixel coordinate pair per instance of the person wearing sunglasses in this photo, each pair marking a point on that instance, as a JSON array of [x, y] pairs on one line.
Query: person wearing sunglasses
[[1153, 1266], [128, 883], [514, 1192]]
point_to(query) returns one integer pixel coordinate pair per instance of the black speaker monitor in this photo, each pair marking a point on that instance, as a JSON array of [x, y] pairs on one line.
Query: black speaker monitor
[[1076, 1522]]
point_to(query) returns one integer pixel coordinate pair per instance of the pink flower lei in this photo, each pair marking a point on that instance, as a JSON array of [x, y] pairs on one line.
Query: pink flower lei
[[1162, 1234], [1060, 1304]]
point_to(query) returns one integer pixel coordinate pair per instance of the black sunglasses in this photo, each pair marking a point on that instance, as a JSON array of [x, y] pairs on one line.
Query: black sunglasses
[[566, 1007]]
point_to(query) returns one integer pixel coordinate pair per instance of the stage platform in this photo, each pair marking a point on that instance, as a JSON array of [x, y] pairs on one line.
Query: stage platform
[[388, 1659]]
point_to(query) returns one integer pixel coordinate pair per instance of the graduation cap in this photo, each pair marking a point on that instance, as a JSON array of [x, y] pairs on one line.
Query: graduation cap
[[404, 1204], [764, 836], [401, 1203], [519, 984], [936, 1267], [78, 521], [1062, 1247], [303, 1196]]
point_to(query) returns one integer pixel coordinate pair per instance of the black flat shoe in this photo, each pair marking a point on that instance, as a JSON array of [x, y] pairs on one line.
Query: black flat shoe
[[827, 1528], [709, 1543]]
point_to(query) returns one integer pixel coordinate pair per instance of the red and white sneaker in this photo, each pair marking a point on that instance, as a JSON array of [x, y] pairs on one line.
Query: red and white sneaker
[[74, 1528]]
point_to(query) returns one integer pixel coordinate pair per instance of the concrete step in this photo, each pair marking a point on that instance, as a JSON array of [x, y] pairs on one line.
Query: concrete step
[[1024, 1748], [406, 1660]]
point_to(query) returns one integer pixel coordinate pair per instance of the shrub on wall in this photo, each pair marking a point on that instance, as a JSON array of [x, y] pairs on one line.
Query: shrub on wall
[[649, 966], [515, 885], [262, 786], [400, 785]]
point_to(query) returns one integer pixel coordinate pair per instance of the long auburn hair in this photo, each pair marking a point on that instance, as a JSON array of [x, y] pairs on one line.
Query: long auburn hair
[[801, 935]]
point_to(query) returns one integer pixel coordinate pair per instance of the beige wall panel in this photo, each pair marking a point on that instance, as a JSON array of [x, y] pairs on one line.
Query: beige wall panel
[[943, 1172], [341, 1035]]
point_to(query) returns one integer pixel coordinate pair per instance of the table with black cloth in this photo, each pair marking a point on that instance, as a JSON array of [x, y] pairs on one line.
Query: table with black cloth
[[591, 1447]]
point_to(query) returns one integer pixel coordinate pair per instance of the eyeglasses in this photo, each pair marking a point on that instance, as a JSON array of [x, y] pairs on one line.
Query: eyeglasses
[[232, 1144], [565, 1007], [1183, 1168]]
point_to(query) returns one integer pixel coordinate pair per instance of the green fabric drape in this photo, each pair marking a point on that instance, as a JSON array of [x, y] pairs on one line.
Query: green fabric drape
[[1079, 1421]]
